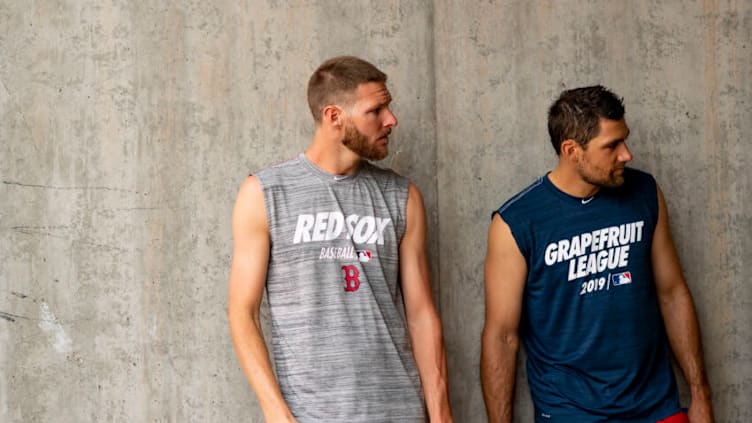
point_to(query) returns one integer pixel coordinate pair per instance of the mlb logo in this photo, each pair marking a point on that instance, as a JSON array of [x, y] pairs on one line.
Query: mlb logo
[[621, 278], [364, 256]]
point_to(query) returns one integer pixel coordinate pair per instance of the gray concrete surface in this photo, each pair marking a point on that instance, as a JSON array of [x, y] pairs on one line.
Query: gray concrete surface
[[126, 128]]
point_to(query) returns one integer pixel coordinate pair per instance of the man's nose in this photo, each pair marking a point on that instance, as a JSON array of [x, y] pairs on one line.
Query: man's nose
[[390, 120], [624, 154]]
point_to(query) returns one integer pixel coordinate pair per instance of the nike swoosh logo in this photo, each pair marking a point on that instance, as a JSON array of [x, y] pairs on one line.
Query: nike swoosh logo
[[587, 200]]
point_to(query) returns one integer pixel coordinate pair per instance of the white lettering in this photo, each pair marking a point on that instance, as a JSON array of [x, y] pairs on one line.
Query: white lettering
[[579, 245], [378, 235], [639, 225], [351, 221], [587, 241], [613, 236], [592, 266], [581, 266], [550, 255], [363, 230], [574, 248], [328, 226], [572, 274], [597, 244], [302, 229], [337, 253], [606, 241], [563, 250], [623, 256], [335, 225], [319, 227], [601, 261]]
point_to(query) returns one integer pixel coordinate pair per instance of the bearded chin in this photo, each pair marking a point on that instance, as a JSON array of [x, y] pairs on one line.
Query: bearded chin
[[607, 181], [358, 144], [604, 183]]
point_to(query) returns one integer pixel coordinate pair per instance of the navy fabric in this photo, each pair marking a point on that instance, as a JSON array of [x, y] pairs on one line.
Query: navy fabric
[[591, 325]]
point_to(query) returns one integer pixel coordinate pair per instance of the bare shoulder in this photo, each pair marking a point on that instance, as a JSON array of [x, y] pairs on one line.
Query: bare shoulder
[[413, 194], [505, 264], [500, 236], [416, 212], [249, 206], [661, 198], [250, 188]]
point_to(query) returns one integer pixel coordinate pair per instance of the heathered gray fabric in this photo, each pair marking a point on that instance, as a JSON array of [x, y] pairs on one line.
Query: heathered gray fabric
[[341, 355]]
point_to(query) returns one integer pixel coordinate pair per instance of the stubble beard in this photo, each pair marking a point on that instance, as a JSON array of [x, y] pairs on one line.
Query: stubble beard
[[358, 143], [599, 177]]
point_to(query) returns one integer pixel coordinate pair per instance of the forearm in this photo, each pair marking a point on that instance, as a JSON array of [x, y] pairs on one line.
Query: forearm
[[498, 365], [254, 359], [430, 357], [683, 333]]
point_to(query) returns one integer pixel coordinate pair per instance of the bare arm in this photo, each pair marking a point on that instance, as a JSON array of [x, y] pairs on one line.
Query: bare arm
[[422, 319], [679, 316], [247, 280], [505, 275]]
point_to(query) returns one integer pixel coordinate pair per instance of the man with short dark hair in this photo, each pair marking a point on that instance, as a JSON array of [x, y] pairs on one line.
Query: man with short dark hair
[[339, 245], [582, 268]]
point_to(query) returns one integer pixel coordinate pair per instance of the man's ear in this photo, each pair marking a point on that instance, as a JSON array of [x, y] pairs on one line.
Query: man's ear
[[569, 148], [332, 115]]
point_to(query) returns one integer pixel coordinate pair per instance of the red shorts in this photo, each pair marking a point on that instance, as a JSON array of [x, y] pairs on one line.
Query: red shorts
[[680, 417]]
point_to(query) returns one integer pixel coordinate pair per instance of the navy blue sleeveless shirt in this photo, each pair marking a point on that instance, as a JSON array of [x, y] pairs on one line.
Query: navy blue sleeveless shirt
[[597, 349]]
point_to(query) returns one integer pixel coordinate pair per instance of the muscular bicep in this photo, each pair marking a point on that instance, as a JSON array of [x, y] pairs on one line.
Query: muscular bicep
[[665, 261], [414, 272], [505, 275], [250, 248]]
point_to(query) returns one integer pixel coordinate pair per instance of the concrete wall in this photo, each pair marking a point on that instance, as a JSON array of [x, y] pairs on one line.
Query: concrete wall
[[125, 130]]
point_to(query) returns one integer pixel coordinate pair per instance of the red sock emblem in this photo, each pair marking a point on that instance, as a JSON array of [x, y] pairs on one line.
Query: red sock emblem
[[352, 283]]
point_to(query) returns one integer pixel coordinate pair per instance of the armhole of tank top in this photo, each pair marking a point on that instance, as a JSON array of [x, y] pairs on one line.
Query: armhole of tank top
[[521, 239], [266, 193], [654, 203], [403, 212]]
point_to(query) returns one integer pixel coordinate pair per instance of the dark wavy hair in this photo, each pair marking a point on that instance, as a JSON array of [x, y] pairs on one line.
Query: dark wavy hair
[[576, 114]]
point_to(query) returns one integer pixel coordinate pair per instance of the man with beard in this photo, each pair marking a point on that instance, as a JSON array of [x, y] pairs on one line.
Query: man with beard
[[582, 268], [339, 245]]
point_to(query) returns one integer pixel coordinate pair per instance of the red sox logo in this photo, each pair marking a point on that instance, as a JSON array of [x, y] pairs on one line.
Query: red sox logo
[[352, 283]]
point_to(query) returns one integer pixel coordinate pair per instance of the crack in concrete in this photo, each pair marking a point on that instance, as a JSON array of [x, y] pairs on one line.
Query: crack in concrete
[[24, 227], [19, 295], [27, 231], [11, 317], [95, 188]]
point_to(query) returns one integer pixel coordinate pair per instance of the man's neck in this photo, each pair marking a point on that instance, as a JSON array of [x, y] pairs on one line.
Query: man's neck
[[329, 155], [569, 181]]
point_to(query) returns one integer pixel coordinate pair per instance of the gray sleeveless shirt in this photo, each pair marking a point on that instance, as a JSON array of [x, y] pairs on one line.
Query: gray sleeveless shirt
[[339, 334]]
